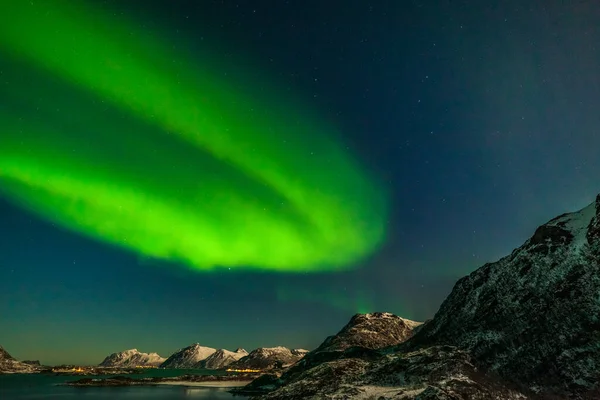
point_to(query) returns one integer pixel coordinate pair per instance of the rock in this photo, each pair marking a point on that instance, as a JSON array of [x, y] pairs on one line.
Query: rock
[[423, 374], [263, 384]]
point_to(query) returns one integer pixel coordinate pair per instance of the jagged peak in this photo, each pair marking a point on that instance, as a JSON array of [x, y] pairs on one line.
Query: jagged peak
[[569, 229], [276, 349], [131, 351], [4, 355], [577, 219], [200, 346], [381, 315], [196, 346]]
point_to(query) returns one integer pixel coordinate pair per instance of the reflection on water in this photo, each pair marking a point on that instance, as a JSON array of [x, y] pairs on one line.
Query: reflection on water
[[43, 387]]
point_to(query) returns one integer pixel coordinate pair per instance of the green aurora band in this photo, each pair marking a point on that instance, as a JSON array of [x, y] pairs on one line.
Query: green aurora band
[[109, 132]]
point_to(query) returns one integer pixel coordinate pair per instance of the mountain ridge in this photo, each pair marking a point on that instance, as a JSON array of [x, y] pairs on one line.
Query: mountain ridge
[[545, 290]]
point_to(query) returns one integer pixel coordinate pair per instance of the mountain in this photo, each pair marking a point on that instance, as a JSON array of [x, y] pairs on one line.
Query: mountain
[[221, 358], [265, 358], [371, 331], [132, 358], [9, 365], [526, 326], [533, 317], [188, 357], [362, 333], [359, 338]]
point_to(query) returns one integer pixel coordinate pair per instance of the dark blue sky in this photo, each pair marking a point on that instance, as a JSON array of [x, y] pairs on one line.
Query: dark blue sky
[[481, 116]]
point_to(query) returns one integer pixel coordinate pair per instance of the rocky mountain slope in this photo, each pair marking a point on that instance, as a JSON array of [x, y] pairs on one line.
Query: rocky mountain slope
[[533, 317], [431, 373], [188, 357], [221, 359], [371, 331], [265, 358], [364, 332], [526, 326], [359, 339], [132, 358], [9, 365]]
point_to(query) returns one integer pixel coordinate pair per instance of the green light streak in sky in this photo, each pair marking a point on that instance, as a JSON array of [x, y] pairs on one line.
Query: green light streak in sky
[[199, 171]]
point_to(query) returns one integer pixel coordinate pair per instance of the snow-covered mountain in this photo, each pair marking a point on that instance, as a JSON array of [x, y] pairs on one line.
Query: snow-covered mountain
[[526, 326], [265, 358], [132, 358], [188, 357], [221, 358], [9, 365]]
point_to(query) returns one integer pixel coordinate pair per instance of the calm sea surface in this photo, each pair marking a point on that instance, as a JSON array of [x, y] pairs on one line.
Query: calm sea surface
[[40, 386]]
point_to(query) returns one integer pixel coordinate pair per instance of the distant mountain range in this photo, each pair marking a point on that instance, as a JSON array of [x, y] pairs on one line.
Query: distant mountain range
[[196, 356], [524, 327]]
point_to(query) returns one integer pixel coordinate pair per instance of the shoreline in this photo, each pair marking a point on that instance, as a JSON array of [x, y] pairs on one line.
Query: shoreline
[[207, 384], [207, 381]]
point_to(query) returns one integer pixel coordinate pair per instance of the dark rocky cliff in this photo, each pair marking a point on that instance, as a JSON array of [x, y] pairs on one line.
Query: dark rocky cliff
[[533, 317]]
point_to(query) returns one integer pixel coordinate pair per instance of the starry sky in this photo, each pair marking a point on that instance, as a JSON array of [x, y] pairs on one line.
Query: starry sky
[[246, 174]]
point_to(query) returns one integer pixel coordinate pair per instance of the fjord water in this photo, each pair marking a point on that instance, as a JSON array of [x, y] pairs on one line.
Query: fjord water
[[41, 387]]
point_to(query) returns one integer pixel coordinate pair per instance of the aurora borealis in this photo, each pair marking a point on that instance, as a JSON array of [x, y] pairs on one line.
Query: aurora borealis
[[246, 174], [265, 184]]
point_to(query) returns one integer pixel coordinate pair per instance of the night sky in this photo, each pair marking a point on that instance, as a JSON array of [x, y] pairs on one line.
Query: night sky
[[246, 174]]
